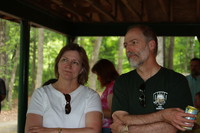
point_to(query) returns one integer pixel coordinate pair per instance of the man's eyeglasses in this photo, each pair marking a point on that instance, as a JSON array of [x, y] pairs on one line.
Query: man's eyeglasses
[[67, 106], [142, 98]]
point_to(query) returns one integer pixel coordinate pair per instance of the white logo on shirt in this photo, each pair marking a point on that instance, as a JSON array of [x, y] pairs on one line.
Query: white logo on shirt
[[160, 98]]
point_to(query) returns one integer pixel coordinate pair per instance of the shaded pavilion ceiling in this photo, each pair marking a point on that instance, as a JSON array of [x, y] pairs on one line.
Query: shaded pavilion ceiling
[[107, 17]]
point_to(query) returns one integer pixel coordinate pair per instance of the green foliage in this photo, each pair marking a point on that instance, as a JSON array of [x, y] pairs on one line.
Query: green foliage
[[87, 43], [108, 49], [53, 42], [6, 106], [11, 43], [185, 48], [8, 50]]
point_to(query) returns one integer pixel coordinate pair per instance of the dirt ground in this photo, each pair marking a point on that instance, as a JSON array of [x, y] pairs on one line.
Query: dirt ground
[[10, 115], [8, 120]]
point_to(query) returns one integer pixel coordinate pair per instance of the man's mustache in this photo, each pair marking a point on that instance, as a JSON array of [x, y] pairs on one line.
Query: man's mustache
[[131, 54]]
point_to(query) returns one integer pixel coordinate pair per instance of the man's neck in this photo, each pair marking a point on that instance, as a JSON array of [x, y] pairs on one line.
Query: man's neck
[[147, 72]]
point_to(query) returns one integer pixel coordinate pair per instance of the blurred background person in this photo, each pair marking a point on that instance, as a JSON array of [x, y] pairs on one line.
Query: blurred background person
[[194, 77], [2, 91], [66, 105], [50, 81], [106, 75], [197, 100], [196, 128]]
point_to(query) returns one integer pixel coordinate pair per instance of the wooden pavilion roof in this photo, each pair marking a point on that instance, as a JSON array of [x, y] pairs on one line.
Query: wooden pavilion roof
[[107, 17]]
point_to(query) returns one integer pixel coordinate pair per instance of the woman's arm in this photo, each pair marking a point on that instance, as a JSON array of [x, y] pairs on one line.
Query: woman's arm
[[107, 112], [109, 98], [33, 120], [93, 124]]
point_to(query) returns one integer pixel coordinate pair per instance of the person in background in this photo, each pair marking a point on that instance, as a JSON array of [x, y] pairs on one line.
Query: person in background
[[194, 77], [106, 75], [196, 128], [66, 106], [197, 100], [50, 81], [2, 91], [151, 98]]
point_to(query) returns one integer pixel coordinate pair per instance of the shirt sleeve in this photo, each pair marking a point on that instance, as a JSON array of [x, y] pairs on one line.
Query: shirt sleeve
[[94, 102], [36, 105]]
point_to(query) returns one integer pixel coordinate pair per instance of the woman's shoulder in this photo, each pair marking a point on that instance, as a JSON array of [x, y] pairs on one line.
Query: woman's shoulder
[[88, 89], [88, 92], [42, 90]]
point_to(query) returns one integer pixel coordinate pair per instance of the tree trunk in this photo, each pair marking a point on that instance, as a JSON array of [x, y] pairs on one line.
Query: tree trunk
[[164, 52], [184, 60], [13, 74], [191, 43], [2, 45], [171, 53], [95, 53], [190, 54], [33, 74], [3, 56], [120, 55], [40, 58], [160, 55]]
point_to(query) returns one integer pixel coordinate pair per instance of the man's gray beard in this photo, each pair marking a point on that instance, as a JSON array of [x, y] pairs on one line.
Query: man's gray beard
[[144, 54], [132, 63]]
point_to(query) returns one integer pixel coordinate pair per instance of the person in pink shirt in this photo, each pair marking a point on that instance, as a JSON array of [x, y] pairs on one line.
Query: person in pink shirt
[[106, 75]]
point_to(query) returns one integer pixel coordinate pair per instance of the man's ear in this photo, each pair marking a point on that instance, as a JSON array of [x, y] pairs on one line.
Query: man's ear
[[152, 45]]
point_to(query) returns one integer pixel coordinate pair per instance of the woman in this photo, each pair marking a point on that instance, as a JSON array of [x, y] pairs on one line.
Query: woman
[[106, 74], [66, 106]]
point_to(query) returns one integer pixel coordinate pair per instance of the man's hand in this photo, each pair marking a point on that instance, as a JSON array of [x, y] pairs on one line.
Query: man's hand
[[117, 125], [176, 117]]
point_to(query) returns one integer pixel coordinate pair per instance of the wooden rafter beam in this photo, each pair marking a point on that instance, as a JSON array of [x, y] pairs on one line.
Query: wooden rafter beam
[[163, 7], [198, 10], [69, 7], [129, 7], [171, 10], [99, 9]]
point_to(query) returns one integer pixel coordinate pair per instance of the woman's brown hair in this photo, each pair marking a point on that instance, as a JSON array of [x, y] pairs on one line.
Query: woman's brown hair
[[83, 76], [105, 69]]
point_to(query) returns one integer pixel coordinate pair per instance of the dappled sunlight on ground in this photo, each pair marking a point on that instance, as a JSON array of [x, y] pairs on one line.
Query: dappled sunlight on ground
[[8, 121]]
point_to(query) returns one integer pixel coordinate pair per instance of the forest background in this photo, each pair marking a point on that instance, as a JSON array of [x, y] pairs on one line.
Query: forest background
[[174, 53]]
